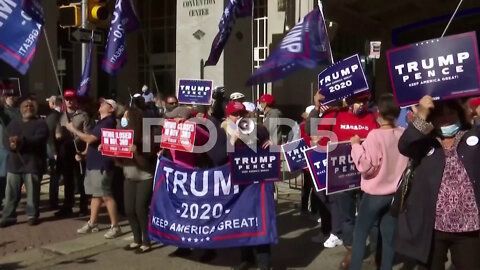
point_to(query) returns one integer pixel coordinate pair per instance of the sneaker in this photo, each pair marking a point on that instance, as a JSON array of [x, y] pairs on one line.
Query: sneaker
[[113, 232], [88, 228], [332, 241]]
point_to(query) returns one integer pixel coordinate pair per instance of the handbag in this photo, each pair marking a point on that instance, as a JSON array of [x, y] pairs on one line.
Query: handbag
[[398, 204]]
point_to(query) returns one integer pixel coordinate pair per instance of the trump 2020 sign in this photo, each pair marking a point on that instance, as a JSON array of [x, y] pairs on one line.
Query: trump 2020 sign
[[194, 208], [444, 68]]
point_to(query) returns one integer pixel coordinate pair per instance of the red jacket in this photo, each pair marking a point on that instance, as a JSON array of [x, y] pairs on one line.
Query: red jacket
[[346, 126]]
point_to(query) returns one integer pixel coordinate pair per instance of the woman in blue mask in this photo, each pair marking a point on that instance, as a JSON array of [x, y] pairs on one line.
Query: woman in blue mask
[[138, 172], [442, 206]]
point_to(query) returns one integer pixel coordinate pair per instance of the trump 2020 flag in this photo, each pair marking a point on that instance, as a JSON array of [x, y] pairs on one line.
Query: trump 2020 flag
[[84, 88], [34, 9], [19, 35], [235, 8], [305, 46], [124, 20]]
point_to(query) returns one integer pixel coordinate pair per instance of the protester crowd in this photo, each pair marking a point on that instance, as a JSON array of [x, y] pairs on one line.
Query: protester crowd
[[437, 142]]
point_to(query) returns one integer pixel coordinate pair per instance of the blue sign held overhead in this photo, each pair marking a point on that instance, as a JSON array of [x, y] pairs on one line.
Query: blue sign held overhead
[[250, 166], [317, 165], [195, 91], [204, 209], [444, 68], [342, 80]]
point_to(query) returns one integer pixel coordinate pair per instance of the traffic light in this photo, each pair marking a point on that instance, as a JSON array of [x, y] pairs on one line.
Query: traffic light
[[98, 11], [70, 16]]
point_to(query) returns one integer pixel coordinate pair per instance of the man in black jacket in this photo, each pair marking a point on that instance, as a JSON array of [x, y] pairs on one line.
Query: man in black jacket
[[26, 139]]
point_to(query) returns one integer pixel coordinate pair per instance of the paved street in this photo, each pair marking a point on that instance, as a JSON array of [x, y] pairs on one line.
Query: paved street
[[54, 245]]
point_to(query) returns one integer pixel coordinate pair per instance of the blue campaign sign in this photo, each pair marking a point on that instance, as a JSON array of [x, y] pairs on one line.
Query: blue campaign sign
[[342, 175], [195, 91], [202, 209], [317, 165], [19, 35], [249, 166], [293, 153], [444, 68], [343, 79]]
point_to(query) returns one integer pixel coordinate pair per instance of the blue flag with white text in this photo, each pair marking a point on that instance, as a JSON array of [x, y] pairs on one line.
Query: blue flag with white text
[[305, 46], [234, 9], [34, 9], [124, 20], [84, 88], [19, 35], [194, 208]]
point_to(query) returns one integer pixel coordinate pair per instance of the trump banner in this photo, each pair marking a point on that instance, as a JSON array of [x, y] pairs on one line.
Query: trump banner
[[19, 35], [343, 79], [234, 9], [193, 208], [305, 46], [124, 20], [444, 68], [178, 135], [87, 73], [34, 9], [294, 157], [195, 91], [252, 166], [317, 165], [117, 142], [342, 175]]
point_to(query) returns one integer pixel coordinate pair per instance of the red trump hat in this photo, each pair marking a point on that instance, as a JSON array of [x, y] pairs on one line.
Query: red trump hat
[[234, 107]]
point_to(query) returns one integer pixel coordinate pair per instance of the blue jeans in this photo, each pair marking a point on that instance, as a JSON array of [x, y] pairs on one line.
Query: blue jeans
[[374, 208], [13, 195]]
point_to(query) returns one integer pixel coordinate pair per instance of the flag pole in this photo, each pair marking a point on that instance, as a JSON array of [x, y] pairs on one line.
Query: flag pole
[[320, 6], [52, 61], [451, 19], [60, 90]]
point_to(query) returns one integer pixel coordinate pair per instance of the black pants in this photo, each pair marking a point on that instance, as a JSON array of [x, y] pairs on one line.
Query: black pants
[[323, 208], [137, 197], [73, 179], [464, 248], [264, 257]]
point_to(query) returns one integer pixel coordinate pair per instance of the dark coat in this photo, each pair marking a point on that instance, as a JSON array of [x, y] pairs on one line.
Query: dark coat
[[416, 225]]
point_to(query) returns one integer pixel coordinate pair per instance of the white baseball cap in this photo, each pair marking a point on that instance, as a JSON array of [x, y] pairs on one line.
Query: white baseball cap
[[236, 95], [145, 88], [111, 102]]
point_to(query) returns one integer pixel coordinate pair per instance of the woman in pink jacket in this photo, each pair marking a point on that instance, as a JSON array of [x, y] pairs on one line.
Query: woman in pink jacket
[[381, 166]]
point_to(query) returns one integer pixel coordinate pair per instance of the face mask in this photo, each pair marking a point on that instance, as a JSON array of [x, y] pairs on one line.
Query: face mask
[[450, 131], [124, 122]]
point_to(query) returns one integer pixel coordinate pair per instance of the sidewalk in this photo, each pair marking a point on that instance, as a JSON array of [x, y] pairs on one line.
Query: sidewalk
[[294, 251]]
